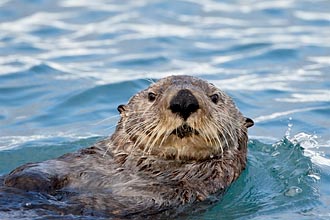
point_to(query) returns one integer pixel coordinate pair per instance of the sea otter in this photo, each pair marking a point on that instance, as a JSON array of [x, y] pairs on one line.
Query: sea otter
[[177, 143]]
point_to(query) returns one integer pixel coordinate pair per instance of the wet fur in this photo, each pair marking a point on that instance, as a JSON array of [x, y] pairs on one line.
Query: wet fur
[[146, 167]]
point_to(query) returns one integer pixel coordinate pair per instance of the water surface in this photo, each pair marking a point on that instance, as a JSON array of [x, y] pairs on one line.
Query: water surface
[[66, 65]]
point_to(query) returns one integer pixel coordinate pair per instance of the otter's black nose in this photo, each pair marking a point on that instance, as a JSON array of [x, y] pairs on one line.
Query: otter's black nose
[[184, 103]]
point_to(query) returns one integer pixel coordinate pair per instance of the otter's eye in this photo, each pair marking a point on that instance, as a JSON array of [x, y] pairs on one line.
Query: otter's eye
[[214, 98], [151, 96]]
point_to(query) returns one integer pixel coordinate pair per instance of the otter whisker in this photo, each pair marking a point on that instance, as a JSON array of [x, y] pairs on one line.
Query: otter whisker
[[214, 133], [156, 139], [150, 81], [207, 134], [152, 139], [107, 149], [106, 119], [222, 125], [147, 131], [228, 119], [166, 135], [229, 132], [131, 131], [144, 135]]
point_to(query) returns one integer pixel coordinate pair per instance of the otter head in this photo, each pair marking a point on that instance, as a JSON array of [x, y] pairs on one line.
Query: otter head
[[182, 117]]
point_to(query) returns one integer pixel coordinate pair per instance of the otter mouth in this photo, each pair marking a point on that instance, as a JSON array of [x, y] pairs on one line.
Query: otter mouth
[[184, 131]]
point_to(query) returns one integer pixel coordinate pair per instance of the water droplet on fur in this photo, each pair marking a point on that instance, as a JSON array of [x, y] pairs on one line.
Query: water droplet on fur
[[293, 191]]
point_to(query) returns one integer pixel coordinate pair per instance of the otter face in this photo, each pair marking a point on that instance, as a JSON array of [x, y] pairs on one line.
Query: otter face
[[182, 117]]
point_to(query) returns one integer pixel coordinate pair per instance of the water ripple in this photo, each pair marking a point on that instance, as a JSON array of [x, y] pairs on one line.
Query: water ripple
[[67, 64]]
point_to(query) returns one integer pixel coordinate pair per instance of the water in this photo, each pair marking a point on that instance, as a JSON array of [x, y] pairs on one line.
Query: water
[[66, 65]]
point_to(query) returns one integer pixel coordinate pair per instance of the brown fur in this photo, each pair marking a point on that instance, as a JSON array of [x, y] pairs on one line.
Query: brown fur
[[155, 162]]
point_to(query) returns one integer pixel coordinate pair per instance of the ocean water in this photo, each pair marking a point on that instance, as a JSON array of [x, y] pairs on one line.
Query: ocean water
[[65, 65]]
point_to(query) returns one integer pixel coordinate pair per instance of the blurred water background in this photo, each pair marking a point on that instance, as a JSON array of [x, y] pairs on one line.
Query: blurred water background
[[65, 65]]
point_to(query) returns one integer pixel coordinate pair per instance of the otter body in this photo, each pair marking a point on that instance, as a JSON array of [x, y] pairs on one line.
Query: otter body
[[178, 142]]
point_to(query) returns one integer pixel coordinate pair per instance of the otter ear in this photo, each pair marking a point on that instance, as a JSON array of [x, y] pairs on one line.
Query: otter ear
[[121, 108], [249, 122]]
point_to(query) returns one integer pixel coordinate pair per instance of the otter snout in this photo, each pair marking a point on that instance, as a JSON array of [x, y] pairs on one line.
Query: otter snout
[[184, 103]]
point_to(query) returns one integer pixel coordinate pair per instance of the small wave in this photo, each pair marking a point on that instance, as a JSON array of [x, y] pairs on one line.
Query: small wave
[[312, 96], [275, 115], [311, 148], [279, 178], [312, 16], [13, 142]]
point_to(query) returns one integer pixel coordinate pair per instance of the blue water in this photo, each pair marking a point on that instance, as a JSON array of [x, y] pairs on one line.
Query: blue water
[[66, 65]]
